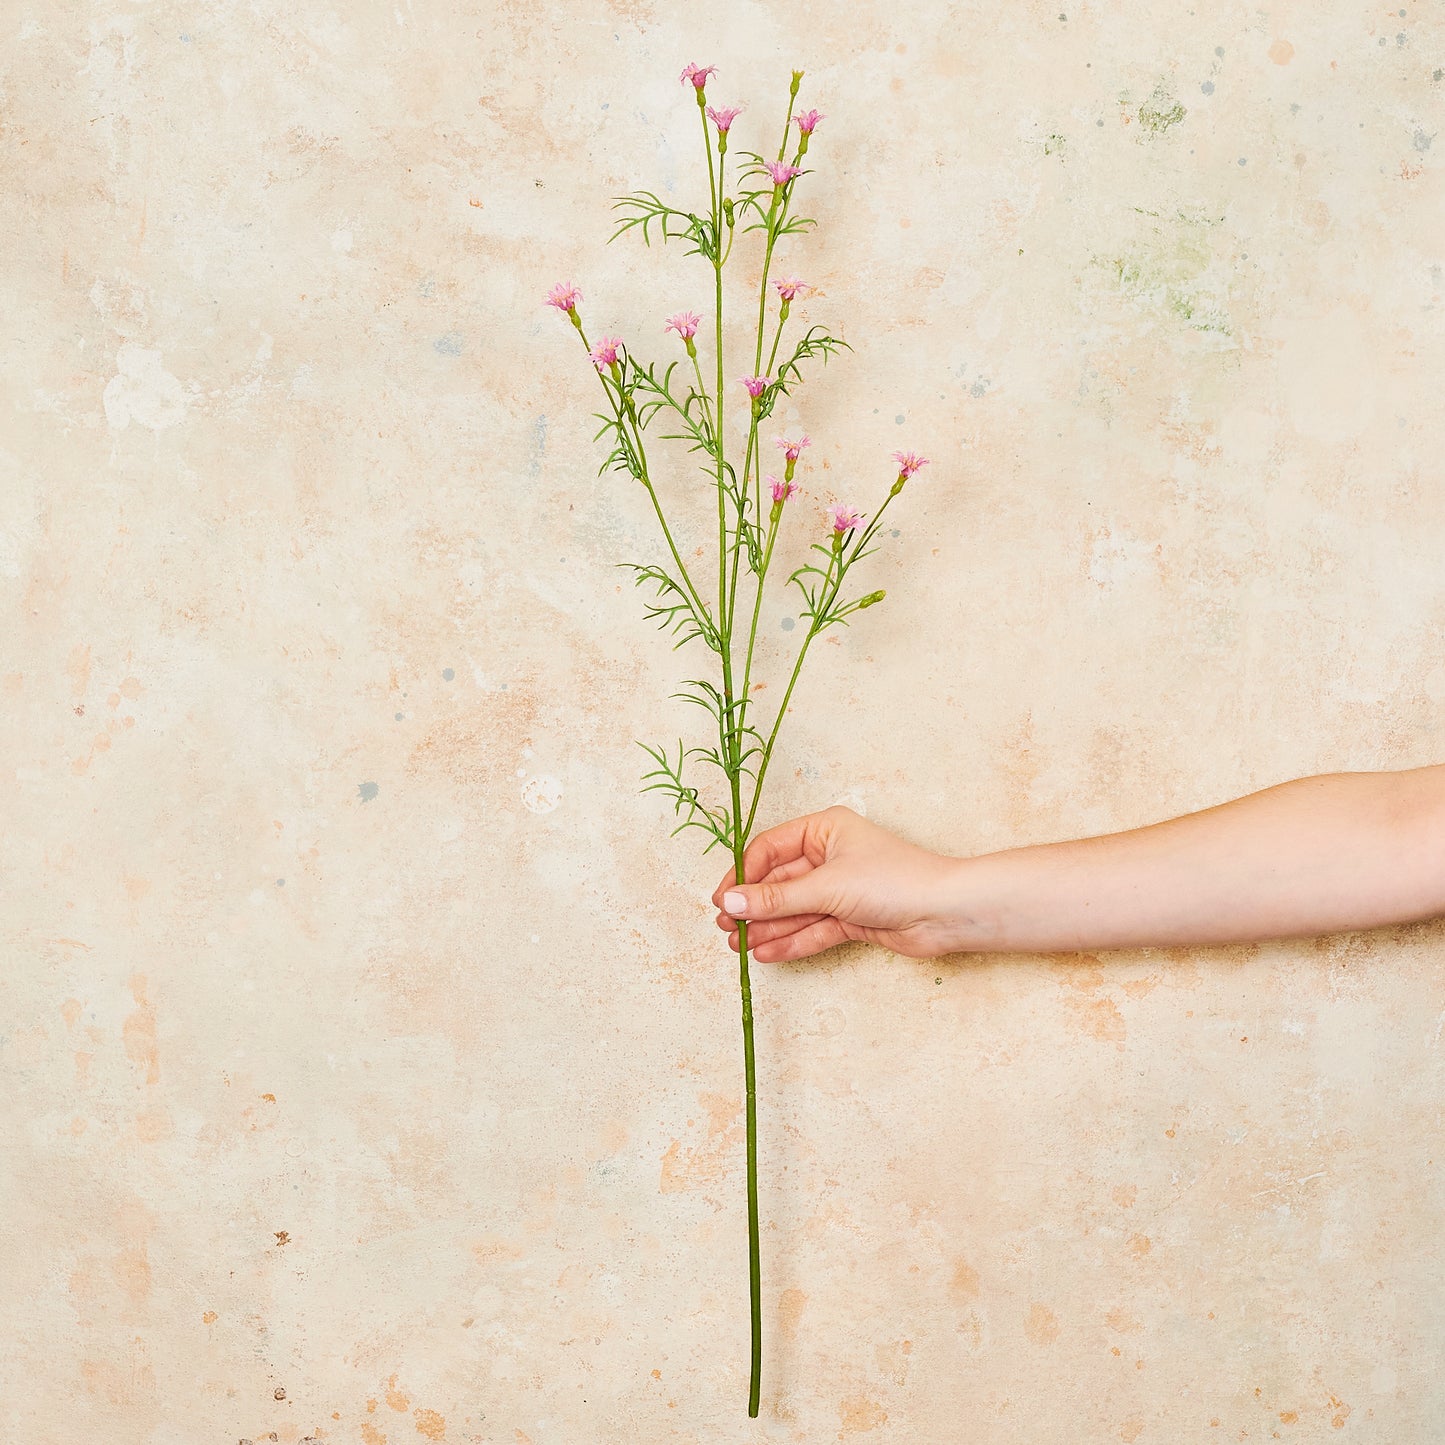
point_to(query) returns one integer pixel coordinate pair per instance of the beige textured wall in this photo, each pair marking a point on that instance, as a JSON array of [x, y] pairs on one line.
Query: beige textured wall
[[371, 1062]]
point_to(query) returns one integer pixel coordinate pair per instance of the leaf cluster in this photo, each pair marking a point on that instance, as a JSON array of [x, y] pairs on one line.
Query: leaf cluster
[[671, 608], [717, 823], [648, 209]]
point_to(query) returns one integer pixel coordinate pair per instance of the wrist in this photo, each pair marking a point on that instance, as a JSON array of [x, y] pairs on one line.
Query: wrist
[[965, 913]]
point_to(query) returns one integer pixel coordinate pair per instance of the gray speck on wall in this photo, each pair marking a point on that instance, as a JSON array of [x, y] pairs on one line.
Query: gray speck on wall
[[1208, 87], [788, 624], [1422, 141], [448, 345], [448, 673], [368, 791]]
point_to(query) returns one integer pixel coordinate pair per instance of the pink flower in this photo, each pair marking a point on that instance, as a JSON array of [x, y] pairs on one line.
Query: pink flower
[[564, 296], [781, 491], [605, 352], [789, 287], [909, 462], [724, 117], [685, 323], [756, 385], [781, 172], [698, 74], [843, 518], [807, 122], [792, 449]]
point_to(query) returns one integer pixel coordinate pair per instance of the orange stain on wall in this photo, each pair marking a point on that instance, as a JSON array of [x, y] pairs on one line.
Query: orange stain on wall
[[430, 1424], [139, 1032]]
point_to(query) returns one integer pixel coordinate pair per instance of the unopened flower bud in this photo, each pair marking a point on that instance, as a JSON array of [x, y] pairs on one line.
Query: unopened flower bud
[[728, 211], [872, 598], [797, 81]]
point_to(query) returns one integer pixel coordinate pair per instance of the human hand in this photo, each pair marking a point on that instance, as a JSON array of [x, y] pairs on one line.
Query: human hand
[[828, 877]]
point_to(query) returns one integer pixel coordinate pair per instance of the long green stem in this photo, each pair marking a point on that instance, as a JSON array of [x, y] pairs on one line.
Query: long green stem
[[750, 1084], [778, 722], [758, 602], [729, 743]]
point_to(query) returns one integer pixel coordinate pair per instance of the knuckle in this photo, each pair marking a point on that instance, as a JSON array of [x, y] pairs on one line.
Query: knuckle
[[770, 897]]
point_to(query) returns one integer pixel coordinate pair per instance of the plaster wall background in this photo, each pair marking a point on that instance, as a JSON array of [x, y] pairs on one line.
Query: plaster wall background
[[371, 1061]]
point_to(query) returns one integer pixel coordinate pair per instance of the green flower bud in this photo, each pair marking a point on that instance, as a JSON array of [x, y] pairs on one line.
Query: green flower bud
[[872, 598], [728, 211]]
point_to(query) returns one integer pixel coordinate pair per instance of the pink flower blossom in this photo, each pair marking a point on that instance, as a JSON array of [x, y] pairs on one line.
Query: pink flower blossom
[[698, 74], [781, 491], [909, 462], [604, 354], [807, 121], [564, 296], [789, 286], [756, 385], [685, 323], [843, 518], [723, 117], [781, 172], [792, 449]]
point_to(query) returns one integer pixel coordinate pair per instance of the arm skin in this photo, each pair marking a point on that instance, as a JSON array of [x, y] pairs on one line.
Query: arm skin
[[1327, 854]]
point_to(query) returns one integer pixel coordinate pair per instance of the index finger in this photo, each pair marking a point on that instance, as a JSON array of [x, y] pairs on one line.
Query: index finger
[[771, 849]]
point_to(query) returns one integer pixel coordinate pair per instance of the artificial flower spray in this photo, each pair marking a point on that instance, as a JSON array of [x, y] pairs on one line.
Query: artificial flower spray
[[717, 604]]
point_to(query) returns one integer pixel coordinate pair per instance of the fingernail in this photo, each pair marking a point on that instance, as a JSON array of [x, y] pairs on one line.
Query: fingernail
[[735, 903]]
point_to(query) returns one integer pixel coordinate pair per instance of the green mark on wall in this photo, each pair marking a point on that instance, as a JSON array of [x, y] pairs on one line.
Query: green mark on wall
[[1172, 272], [1159, 113]]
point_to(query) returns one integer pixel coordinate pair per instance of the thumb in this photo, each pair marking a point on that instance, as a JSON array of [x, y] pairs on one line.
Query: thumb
[[788, 899]]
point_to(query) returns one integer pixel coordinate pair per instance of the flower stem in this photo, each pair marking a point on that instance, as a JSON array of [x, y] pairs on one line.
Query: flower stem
[[757, 608], [751, 1085], [813, 630], [729, 745]]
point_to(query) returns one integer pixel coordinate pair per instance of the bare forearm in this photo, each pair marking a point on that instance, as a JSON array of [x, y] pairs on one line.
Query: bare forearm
[[1326, 854]]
